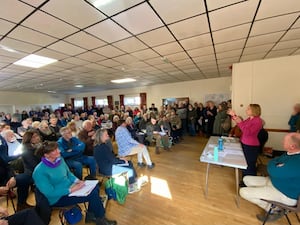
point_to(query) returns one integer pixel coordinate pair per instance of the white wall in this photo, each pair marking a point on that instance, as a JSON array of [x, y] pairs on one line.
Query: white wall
[[272, 83], [195, 90], [10, 101]]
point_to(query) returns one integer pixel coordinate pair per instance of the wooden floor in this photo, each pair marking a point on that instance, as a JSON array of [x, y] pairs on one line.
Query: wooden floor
[[175, 193]]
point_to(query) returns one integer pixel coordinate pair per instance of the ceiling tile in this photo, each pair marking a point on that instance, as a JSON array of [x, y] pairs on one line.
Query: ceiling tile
[[230, 34], [203, 40], [196, 25], [252, 57], [264, 39], [215, 4], [134, 19], [168, 49], [174, 10], [8, 56], [156, 37], [31, 36], [231, 45], [49, 25], [287, 44], [177, 56], [75, 61], [5, 26], [114, 6], [109, 63], [91, 56], [201, 51], [227, 16], [34, 3], [85, 40], [145, 54], [292, 34], [51, 53], [109, 51], [125, 59], [130, 45], [19, 45], [273, 24], [200, 59], [64, 47], [14, 10], [297, 52], [296, 24], [113, 32], [269, 8], [183, 62], [229, 61], [67, 10], [229, 54], [279, 53], [258, 49], [155, 61]]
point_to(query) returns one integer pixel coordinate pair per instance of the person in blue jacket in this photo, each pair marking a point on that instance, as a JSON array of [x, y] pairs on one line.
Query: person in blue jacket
[[55, 181], [283, 183], [71, 149]]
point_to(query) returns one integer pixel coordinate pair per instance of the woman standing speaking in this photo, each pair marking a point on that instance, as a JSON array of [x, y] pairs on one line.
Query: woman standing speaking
[[250, 129]]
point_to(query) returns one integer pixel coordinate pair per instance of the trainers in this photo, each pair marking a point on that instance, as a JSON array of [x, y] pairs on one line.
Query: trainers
[[272, 217], [141, 165], [151, 166], [132, 188]]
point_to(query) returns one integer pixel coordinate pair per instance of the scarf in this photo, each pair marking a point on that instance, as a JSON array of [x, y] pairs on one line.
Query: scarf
[[51, 164]]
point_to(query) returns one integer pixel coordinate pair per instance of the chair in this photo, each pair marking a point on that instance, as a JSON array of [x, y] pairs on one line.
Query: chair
[[10, 196], [287, 209], [44, 209]]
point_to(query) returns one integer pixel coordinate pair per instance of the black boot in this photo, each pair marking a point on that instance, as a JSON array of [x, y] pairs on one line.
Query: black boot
[[90, 217], [105, 221]]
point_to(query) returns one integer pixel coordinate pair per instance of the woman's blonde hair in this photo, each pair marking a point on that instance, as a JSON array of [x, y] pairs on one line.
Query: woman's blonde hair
[[255, 109]]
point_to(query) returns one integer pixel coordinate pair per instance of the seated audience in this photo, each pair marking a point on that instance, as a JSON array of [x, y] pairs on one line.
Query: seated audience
[[25, 126], [128, 146], [77, 121], [54, 127], [46, 133], [136, 120], [87, 136], [35, 125], [24, 217], [143, 122], [155, 133], [283, 183], [56, 188], [107, 162], [72, 151], [130, 127], [72, 126]]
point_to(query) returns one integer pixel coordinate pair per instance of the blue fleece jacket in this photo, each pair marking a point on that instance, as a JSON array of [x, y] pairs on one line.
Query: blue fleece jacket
[[54, 183], [284, 174], [70, 149]]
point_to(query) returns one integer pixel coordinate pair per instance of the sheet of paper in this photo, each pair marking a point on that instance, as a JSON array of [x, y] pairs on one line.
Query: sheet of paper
[[89, 185]]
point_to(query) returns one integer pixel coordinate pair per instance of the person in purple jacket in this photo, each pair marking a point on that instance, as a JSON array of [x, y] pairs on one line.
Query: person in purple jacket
[[250, 129]]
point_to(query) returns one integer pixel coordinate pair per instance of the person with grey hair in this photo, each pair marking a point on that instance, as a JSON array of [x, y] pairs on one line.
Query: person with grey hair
[[87, 136], [295, 118]]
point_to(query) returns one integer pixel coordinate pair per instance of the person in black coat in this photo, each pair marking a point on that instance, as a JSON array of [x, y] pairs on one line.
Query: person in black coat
[[107, 162]]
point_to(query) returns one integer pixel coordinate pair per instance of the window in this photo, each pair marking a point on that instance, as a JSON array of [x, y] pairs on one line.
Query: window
[[61, 104], [102, 102], [132, 101], [78, 103]]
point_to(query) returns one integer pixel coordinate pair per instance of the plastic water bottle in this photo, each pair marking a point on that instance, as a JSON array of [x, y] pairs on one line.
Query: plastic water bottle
[[220, 144], [216, 153]]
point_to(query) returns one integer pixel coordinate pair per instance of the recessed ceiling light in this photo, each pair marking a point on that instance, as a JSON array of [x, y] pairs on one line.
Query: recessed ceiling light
[[125, 80], [99, 3], [34, 61], [79, 85], [7, 48]]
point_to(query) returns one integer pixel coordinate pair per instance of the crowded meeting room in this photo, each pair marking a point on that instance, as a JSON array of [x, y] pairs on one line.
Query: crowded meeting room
[[161, 112]]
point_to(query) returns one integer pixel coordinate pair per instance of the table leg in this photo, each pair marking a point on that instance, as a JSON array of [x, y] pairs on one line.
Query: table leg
[[206, 180], [237, 187]]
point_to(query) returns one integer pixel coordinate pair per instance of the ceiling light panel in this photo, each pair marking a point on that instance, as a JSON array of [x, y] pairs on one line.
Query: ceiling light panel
[[111, 7], [113, 32], [134, 19], [49, 25]]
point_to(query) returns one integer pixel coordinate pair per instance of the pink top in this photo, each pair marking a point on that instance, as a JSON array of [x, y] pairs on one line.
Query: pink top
[[250, 129]]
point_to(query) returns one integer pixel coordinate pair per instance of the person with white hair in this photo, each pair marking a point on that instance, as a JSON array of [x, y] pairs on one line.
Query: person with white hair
[[283, 183]]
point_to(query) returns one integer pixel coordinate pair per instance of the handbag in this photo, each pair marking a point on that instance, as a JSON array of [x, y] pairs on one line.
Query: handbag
[[71, 216], [116, 188]]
